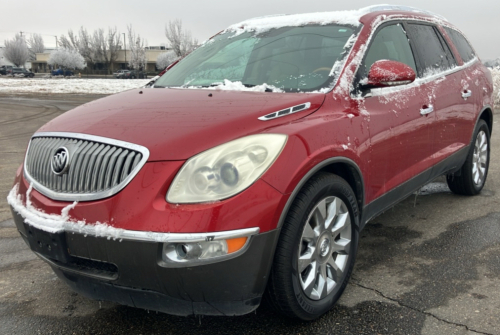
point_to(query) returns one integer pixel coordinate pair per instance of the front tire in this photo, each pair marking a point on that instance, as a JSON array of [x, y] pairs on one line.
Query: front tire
[[472, 176], [315, 254]]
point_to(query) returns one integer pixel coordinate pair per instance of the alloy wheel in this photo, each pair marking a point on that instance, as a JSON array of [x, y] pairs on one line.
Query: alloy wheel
[[480, 158], [324, 248]]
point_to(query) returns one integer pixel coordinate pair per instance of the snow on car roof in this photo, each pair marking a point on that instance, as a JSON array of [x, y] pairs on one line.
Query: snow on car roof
[[346, 17]]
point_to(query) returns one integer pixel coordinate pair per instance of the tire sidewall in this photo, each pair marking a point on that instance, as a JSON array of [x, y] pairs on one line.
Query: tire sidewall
[[314, 308]]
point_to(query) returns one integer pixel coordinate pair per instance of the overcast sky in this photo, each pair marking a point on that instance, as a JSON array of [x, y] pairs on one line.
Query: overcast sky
[[478, 19]]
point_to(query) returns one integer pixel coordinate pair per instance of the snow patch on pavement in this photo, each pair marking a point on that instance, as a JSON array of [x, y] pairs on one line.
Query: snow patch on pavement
[[71, 86]]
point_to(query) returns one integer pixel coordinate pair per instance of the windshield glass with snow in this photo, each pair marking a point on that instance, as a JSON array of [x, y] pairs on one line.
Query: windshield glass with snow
[[290, 59]]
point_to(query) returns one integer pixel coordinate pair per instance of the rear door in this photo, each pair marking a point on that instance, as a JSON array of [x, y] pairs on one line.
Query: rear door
[[470, 92], [440, 86]]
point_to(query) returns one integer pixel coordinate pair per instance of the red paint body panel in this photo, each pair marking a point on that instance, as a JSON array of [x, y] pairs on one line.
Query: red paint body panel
[[141, 206], [175, 124]]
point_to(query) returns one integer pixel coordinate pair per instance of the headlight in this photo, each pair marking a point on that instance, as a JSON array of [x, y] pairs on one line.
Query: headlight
[[226, 170]]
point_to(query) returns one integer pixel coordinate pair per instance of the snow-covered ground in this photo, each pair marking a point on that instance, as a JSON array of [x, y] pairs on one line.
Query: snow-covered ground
[[75, 86], [495, 73]]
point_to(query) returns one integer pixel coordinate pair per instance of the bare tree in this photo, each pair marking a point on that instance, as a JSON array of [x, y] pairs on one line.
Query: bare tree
[[67, 58], [165, 59], [70, 42], [95, 47], [137, 58], [16, 51], [180, 40], [107, 45], [35, 43]]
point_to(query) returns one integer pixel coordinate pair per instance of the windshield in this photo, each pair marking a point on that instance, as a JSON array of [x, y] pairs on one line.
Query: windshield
[[290, 59]]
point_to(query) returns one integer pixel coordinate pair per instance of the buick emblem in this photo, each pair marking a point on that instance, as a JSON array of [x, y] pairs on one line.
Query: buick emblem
[[60, 161]]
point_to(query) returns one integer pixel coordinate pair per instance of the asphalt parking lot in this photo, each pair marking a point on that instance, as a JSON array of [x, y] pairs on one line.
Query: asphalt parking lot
[[430, 265]]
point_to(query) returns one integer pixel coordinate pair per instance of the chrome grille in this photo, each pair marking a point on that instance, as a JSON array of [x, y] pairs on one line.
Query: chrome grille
[[98, 167]]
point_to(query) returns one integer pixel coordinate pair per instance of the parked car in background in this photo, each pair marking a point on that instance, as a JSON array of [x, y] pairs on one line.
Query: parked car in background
[[119, 74], [132, 74], [6, 70], [21, 72], [254, 162], [62, 72]]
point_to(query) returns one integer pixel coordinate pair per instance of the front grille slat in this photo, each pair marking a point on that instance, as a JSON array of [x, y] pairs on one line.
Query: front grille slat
[[118, 168], [110, 168], [126, 166], [90, 167], [104, 168], [96, 167]]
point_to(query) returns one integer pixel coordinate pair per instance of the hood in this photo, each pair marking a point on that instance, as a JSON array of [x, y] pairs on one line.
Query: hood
[[175, 124]]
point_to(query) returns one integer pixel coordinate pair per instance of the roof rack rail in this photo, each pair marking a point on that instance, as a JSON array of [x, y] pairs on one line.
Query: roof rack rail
[[378, 8]]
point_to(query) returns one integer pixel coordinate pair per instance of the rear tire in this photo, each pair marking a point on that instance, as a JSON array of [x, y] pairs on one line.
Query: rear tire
[[472, 176], [315, 254]]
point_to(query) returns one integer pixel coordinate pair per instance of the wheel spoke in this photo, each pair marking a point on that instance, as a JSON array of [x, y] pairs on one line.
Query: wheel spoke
[[342, 246], [482, 157], [309, 234], [308, 283], [342, 221], [333, 210], [480, 173], [336, 271], [306, 259], [476, 176], [319, 215], [322, 289]]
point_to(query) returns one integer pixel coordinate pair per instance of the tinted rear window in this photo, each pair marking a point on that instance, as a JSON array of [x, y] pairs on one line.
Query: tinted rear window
[[434, 54], [464, 48]]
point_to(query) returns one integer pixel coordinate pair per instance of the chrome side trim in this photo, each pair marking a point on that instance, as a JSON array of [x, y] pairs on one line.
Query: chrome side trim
[[149, 236], [86, 196], [286, 111]]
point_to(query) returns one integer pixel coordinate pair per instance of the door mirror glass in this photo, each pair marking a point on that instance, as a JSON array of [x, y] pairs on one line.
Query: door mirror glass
[[384, 73]]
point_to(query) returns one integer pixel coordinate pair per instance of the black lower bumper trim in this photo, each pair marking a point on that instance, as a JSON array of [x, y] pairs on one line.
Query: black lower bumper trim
[[133, 273], [155, 301]]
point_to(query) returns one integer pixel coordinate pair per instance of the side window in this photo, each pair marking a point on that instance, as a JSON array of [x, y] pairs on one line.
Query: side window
[[464, 49], [433, 53], [390, 43]]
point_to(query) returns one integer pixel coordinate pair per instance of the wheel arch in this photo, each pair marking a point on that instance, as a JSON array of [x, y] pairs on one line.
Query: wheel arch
[[487, 115], [341, 166]]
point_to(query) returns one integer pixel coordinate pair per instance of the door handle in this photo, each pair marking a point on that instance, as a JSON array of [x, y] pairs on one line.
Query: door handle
[[466, 94], [426, 110]]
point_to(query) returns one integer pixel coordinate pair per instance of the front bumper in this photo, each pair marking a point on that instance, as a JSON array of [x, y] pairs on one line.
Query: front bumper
[[131, 272]]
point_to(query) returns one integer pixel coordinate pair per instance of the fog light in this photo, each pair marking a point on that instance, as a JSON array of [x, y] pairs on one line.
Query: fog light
[[188, 250], [201, 251]]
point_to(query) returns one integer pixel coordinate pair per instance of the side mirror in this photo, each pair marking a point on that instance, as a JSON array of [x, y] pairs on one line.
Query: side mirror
[[384, 73]]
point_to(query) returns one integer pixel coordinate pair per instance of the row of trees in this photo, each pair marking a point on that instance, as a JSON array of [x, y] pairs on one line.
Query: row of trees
[[83, 48]]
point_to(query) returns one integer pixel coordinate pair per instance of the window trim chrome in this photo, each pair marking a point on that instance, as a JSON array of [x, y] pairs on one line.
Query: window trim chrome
[[86, 196]]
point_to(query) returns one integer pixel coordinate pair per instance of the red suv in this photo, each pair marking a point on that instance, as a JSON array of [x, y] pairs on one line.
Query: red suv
[[253, 163]]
